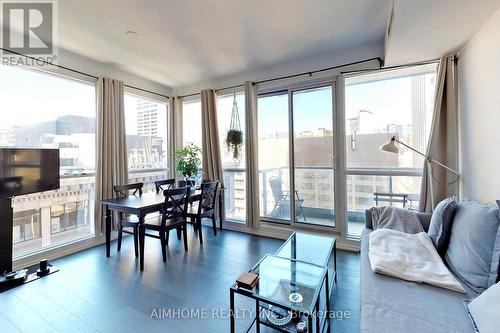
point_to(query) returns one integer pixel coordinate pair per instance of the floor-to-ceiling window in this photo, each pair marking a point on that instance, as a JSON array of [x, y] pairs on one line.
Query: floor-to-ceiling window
[[378, 106], [147, 139], [42, 110], [191, 122], [274, 159], [233, 164], [300, 189], [313, 156]]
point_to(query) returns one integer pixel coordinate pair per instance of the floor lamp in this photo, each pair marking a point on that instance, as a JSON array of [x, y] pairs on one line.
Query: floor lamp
[[391, 147]]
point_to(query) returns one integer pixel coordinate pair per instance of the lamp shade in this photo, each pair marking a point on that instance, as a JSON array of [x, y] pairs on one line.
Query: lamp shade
[[390, 147]]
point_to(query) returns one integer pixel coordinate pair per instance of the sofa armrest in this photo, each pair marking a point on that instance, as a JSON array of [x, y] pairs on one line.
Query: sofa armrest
[[425, 219]]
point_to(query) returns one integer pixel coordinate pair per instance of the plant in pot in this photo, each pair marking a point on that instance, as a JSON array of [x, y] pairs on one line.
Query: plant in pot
[[234, 136], [188, 161]]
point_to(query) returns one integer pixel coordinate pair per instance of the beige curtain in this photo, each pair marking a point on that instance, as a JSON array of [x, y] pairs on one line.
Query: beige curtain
[[443, 140], [251, 156], [175, 116], [111, 144], [212, 164]]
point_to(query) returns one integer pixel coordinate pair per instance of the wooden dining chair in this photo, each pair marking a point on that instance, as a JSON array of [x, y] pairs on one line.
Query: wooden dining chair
[[204, 208], [128, 221], [174, 216], [162, 185]]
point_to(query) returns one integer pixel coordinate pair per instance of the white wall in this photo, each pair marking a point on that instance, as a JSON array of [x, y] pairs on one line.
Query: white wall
[[479, 107]]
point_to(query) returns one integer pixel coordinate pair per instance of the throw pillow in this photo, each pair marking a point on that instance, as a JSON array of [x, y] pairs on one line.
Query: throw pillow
[[474, 249], [441, 223], [485, 310]]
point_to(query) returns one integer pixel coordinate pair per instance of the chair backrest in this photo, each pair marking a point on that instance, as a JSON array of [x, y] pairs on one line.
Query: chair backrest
[[207, 197], [162, 185], [276, 188], [183, 183], [124, 190], [176, 203]]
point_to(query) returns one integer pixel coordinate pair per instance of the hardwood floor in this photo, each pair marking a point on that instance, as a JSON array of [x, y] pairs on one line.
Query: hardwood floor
[[92, 293]]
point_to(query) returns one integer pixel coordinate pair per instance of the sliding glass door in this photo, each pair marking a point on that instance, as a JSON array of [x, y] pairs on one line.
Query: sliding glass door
[[313, 156], [296, 156]]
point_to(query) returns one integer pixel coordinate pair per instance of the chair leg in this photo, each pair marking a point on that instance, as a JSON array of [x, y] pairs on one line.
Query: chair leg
[[200, 233], [163, 243], [184, 234], [179, 233], [214, 225], [136, 241], [167, 236], [120, 235]]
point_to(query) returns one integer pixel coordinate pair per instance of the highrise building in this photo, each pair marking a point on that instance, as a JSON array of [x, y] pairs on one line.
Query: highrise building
[[147, 118]]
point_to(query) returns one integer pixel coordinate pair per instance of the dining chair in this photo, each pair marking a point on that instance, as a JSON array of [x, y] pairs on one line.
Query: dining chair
[[128, 221], [161, 185], [183, 183], [173, 216], [204, 208]]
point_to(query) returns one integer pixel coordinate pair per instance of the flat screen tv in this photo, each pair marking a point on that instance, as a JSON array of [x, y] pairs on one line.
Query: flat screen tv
[[27, 170]]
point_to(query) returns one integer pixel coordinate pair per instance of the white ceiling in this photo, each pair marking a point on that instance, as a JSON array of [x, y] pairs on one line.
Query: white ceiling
[[186, 41], [427, 29]]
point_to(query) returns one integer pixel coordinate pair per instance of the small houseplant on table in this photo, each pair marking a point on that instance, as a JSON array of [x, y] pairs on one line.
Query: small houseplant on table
[[188, 161]]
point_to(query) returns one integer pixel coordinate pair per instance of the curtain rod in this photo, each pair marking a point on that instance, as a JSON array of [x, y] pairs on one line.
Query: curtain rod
[[310, 73], [43, 61], [421, 63]]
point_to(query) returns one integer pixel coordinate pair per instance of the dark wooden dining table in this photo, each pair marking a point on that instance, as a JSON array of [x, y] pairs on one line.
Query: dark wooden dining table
[[142, 205]]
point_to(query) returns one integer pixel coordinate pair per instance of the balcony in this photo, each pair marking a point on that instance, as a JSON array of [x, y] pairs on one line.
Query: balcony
[[315, 191]]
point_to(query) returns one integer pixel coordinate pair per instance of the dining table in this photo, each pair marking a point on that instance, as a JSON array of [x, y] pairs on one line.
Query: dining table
[[140, 206]]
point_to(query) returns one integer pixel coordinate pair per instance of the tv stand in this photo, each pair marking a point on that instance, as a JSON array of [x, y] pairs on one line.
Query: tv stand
[[6, 230]]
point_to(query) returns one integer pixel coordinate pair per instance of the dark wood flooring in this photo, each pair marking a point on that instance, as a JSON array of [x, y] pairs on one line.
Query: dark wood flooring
[[92, 293]]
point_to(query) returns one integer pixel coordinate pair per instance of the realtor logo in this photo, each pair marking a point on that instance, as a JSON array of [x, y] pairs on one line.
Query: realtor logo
[[28, 31]]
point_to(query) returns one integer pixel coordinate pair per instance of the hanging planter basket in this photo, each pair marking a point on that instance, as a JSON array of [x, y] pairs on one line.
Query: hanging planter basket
[[234, 137]]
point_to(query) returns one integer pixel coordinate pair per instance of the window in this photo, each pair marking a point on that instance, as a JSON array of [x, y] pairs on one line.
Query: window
[[274, 173], [48, 111], [191, 122], [233, 168], [147, 140], [310, 197], [377, 107]]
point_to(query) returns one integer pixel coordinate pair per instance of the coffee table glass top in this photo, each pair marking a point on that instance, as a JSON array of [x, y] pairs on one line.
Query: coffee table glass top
[[307, 247], [293, 284]]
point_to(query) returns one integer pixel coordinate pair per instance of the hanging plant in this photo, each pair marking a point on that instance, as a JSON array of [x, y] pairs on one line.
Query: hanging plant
[[234, 137]]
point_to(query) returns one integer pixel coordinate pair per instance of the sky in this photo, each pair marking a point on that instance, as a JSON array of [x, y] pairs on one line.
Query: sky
[[30, 97]]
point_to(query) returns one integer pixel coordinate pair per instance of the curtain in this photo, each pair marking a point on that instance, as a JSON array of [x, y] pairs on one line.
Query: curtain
[[175, 136], [211, 156], [251, 156], [111, 144], [443, 140]]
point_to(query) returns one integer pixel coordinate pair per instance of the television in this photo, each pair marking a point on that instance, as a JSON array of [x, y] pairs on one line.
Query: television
[[28, 170]]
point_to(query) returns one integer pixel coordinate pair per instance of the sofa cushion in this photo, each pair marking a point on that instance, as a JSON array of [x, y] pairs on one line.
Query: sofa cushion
[[485, 310], [475, 244], [441, 223]]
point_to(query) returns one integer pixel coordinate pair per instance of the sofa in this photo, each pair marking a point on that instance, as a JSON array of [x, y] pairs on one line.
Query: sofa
[[392, 305]]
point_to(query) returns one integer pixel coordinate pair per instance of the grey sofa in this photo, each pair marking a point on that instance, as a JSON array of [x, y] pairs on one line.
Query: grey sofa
[[393, 305]]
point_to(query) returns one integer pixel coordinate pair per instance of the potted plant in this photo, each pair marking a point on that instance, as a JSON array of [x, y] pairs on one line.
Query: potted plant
[[234, 141], [188, 161], [234, 137]]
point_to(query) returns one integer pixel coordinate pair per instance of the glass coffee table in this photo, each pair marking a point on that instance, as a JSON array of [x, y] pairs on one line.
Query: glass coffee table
[[294, 286]]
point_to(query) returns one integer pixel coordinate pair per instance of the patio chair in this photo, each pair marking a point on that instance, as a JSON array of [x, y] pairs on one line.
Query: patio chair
[[282, 199]]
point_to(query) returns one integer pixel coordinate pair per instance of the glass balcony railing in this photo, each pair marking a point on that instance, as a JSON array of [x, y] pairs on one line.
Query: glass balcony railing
[[48, 219]]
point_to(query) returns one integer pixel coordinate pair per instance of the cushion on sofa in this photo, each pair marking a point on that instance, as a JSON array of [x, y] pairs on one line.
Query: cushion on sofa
[[441, 223], [485, 310], [474, 244]]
